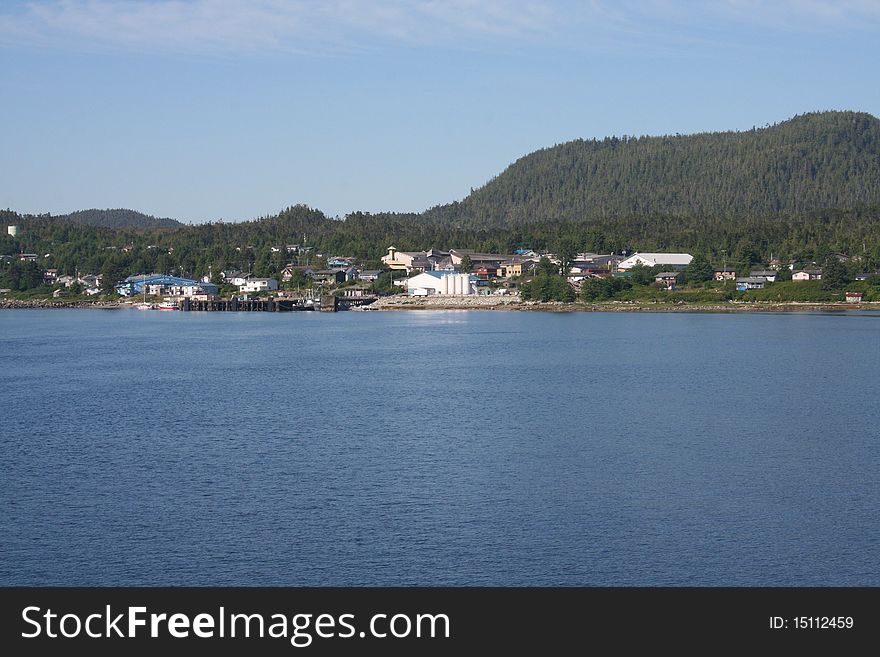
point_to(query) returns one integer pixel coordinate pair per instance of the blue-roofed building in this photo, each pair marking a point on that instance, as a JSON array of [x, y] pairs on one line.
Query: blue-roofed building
[[164, 284]]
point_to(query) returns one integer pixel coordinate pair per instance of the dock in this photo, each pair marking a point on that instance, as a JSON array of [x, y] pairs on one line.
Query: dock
[[327, 303]]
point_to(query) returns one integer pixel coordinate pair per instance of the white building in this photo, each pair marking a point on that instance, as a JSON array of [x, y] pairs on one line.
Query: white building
[[259, 285], [441, 283], [671, 260]]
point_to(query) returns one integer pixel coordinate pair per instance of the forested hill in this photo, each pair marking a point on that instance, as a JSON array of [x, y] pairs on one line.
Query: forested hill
[[811, 162], [119, 218]]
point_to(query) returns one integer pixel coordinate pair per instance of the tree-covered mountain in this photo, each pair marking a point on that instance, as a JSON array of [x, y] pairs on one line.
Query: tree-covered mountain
[[811, 162], [119, 218]]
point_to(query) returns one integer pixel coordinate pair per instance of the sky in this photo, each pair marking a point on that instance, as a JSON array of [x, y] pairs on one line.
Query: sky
[[208, 110]]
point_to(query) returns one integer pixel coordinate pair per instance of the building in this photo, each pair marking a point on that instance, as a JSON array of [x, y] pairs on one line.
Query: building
[[258, 285], [670, 260], [487, 260], [724, 273], [768, 274], [157, 284], [238, 278], [441, 283], [854, 297], [750, 283], [199, 290], [12, 231], [807, 275], [27, 257], [406, 260], [288, 272], [516, 266], [329, 276], [667, 279], [369, 275], [350, 272]]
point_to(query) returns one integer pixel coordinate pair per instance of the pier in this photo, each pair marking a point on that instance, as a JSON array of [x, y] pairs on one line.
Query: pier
[[327, 303]]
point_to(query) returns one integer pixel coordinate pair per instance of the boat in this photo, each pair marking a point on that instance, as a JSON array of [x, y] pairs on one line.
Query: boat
[[144, 305], [167, 305]]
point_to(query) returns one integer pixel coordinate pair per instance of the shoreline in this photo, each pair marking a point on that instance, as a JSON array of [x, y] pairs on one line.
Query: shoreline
[[621, 306], [385, 304]]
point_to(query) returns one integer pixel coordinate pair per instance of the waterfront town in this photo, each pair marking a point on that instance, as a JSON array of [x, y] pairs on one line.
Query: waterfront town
[[436, 276]]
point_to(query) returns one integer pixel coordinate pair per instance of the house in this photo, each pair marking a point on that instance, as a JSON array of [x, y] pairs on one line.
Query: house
[[337, 262], [441, 283], [768, 274], [854, 297], [866, 275], [671, 260], [750, 283], [329, 276], [50, 276], [90, 281], [724, 273], [27, 257], [369, 275], [65, 280], [350, 272], [595, 260], [807, 275], [258, 285], [238, 278], [667, 279], [516, 267], [576, 278], [288, 271]]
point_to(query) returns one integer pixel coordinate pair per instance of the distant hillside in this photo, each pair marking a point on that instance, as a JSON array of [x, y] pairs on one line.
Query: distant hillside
[[119, 218], [811, 162]]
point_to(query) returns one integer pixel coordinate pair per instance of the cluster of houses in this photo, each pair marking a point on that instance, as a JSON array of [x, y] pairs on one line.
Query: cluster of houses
[[439, 272], [454, 272]]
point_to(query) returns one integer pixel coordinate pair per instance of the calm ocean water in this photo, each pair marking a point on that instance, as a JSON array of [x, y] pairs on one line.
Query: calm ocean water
[[439, 448]]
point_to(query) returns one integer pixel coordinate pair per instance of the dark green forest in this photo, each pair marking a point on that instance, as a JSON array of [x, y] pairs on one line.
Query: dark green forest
[[811, 162], [119, 218], [799, 190]]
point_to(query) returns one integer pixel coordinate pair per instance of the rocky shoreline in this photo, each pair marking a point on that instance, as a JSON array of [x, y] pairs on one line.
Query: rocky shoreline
[[11, 304], [514, 303]]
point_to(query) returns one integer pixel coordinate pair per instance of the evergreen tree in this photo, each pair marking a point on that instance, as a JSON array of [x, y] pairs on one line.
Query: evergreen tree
[[834, 276]]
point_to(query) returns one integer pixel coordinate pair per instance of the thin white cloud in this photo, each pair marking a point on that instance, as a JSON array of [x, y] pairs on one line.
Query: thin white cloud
[[217, 26], [318, 26]]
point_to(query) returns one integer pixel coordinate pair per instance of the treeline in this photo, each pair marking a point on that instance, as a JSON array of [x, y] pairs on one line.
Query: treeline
[[118, 218]]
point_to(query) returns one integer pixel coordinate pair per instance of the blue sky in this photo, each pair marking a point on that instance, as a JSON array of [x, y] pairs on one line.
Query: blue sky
[[233, 109]]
